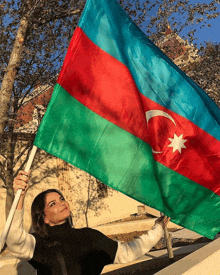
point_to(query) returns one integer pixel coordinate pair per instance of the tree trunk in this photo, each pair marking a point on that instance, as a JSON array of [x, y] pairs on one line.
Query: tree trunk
[[9, 173], [9, 77], [88, 202]]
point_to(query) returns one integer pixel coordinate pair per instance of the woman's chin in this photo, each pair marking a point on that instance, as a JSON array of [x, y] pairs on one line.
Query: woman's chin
[[66, 213]]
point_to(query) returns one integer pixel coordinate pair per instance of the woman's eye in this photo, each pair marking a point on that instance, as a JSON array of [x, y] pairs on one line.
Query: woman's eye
[[52, 204]]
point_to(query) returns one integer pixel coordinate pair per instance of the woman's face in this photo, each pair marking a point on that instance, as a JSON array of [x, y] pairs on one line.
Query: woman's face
[[56, 209]]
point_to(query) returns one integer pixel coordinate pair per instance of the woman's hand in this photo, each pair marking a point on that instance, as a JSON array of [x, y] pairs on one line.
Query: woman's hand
[[21, 182], [163, 220]]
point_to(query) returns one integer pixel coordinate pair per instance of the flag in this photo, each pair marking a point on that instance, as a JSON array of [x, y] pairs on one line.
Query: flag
[[125, 113]]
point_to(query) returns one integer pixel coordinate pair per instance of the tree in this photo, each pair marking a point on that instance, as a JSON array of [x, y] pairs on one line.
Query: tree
[[30, 53], [184, 16], [206, 71], [33, 39], [45, 28], [92, 200]]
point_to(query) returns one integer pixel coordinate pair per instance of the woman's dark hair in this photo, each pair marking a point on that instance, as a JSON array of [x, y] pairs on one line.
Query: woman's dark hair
[[38, 215]]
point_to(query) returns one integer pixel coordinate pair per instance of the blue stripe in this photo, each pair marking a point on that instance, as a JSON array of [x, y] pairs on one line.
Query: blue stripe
[[156, 76]]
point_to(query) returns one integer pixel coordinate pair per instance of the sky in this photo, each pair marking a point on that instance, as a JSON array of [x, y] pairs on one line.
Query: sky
[[208, 33]]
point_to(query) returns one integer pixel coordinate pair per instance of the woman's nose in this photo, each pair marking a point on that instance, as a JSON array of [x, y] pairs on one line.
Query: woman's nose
[[62, 203]]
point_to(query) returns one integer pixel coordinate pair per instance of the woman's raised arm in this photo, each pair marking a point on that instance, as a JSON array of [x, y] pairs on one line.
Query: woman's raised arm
[[19, 242], [130, 251]]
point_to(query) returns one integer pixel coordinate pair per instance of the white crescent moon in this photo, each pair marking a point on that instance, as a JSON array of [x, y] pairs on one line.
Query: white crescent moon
[[153, 113]]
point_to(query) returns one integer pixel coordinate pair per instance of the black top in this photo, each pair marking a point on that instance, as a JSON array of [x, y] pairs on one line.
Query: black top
[[72, 251]]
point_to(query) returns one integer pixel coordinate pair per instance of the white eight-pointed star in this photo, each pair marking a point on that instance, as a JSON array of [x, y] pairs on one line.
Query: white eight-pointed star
[[177, 143]]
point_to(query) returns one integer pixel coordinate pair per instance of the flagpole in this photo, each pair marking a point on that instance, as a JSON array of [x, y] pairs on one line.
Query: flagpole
[[167, 236], [16, 200]]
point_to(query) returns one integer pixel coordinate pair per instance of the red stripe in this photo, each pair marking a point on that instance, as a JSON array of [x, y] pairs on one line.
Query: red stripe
[[105, 85]]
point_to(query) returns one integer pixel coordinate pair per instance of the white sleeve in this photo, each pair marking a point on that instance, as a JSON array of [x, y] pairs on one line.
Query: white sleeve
[[128, 252], [19, 242]]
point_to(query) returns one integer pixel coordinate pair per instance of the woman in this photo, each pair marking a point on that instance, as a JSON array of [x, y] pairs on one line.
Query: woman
[[57, 248]]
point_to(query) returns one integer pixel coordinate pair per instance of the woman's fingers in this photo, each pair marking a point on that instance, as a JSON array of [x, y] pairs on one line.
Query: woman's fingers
[[163, 220], [20, 185], [21, 181], [24, 178], [22, 175], [21, 172], [166, 221], [159, 220]]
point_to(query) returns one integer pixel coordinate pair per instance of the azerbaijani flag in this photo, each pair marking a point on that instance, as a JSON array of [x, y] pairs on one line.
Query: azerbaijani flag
[[125, 113]]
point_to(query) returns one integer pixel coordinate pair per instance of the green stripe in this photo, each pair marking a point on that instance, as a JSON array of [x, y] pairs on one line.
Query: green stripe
[[75, 134]]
